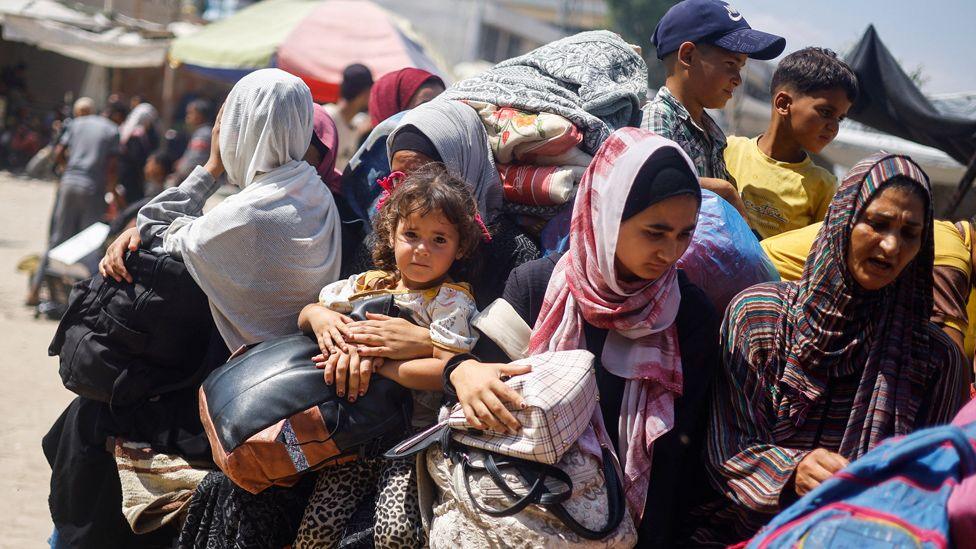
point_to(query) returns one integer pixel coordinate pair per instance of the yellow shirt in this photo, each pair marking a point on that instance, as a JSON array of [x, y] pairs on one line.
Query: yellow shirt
[[779, 196]]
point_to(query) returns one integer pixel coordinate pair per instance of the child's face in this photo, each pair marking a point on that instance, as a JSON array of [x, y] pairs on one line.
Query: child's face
[[153, 171], [425, 247], [714, 74], [814, 118]]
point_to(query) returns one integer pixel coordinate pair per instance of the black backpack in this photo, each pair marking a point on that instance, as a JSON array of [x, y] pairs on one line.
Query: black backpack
[[126, 343]]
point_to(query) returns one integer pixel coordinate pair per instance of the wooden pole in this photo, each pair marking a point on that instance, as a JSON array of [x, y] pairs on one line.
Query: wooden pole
[[169, 88], [965, 184]]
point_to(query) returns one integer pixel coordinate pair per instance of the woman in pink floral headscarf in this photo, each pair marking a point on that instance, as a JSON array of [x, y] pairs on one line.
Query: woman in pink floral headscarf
[[618, 294]]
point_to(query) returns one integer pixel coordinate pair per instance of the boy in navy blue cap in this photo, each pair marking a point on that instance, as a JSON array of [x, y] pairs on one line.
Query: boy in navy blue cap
[[703, 44]]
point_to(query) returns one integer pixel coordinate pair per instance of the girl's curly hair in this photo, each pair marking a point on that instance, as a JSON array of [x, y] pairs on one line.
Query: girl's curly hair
[[428, 189]]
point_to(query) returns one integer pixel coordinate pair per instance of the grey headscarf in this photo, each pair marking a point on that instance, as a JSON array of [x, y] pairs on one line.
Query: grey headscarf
[[459, 135]]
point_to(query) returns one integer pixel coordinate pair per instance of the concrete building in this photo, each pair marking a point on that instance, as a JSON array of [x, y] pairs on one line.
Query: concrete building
[[465, 31]]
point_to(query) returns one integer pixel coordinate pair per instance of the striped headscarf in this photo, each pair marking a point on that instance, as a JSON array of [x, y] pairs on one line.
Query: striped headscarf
[[834, 328]]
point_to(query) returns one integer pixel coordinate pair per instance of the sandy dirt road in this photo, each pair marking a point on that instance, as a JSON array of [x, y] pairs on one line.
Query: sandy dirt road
[[31, 394]]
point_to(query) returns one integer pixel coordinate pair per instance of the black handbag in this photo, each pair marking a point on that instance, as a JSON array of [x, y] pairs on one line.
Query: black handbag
[[270, 417], [125, 343]]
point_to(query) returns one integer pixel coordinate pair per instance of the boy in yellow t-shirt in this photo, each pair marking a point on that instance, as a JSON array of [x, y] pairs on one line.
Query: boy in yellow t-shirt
[[780, 185]]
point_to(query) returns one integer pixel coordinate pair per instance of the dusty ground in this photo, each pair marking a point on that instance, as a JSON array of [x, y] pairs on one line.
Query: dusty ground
[[31, 395]]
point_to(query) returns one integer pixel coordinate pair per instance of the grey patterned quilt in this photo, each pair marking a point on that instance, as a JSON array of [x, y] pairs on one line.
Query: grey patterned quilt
[[594, 79]]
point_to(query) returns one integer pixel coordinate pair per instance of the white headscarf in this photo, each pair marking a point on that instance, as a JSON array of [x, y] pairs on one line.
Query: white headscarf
[[459, 135], [265, 252], [138, 121]]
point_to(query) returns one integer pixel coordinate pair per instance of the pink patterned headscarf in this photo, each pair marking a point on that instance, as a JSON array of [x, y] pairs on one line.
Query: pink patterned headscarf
[[325, 131], [642, 344]]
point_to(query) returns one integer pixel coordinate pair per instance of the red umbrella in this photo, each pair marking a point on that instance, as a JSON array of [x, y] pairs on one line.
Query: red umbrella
[[341, 32]]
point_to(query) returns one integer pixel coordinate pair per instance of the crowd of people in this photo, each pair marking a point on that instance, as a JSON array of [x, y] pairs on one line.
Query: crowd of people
[[719, 415]]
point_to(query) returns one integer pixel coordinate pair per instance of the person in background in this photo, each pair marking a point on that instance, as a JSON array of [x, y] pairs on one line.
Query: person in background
[[116, 111], [818, 372], [135, 101], [138, 138], [703, 44], [199, 123], [90, 148], [321, 153], [159, 166], [402, 90], [357, 80], [780, 185]]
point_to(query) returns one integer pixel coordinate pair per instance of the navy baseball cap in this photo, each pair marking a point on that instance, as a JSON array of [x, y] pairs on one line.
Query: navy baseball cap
[[713, 22]]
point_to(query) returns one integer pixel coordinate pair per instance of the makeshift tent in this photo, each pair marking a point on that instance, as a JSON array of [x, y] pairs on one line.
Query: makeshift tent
[[890, 102], [89, 37], [311, 39]]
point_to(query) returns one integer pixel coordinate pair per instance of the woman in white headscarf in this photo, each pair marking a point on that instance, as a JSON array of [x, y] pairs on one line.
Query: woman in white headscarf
[[265, 252], [138, 139]]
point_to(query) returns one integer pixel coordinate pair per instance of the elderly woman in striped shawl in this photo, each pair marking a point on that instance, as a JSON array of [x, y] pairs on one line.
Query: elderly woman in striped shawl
[[819, 371]]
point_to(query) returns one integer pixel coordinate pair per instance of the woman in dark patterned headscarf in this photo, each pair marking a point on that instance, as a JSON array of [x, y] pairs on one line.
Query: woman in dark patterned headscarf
[[819, 371]]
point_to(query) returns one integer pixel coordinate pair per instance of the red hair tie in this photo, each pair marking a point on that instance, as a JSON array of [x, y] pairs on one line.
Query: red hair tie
[[485, 235], [389, 183]]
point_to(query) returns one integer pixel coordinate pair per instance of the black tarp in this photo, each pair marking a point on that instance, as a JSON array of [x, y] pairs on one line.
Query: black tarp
[[890, 102]]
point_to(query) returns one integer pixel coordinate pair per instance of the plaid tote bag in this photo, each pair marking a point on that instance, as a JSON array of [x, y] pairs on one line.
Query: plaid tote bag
[[488, 489]]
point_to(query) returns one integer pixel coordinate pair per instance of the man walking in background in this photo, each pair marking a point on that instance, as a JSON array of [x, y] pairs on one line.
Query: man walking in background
[[89, 149]]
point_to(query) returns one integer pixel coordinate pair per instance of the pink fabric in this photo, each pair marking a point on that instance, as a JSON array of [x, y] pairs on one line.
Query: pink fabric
[[962, 502], [341, 32], [539, 185], [391, 93], [642, 345], [325, 129]]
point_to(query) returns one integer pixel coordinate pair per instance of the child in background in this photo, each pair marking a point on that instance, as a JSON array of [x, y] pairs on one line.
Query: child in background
[[158, 167], [427, 224], [780, 185], [703, 44]]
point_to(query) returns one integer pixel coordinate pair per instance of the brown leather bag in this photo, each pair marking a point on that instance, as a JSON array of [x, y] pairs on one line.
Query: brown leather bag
[[270, 417]]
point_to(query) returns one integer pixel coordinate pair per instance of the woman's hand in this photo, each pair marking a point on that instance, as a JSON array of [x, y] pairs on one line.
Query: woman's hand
[[329, 328], [816, 467], [113, 264], [215, 165], [481, 391], [349, 371], [394, 338]]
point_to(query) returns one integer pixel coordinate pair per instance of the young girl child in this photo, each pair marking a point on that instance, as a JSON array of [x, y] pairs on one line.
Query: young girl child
[[426, 225]]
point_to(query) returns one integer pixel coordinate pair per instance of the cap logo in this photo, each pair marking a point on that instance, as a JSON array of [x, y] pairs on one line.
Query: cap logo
[[733, 13]]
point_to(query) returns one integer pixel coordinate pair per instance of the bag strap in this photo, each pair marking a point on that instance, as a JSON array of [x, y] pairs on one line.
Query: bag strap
[[532, 496], [539, 493], [616, 505]]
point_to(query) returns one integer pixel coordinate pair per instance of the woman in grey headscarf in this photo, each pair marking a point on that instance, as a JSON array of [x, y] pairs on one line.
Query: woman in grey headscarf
[[451, 132]]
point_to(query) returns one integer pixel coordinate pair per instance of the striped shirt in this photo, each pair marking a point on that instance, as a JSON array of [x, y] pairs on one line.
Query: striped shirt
[[754, 443]]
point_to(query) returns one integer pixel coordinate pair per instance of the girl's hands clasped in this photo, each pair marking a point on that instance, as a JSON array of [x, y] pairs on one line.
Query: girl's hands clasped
[[349, 371], [388, 337]]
